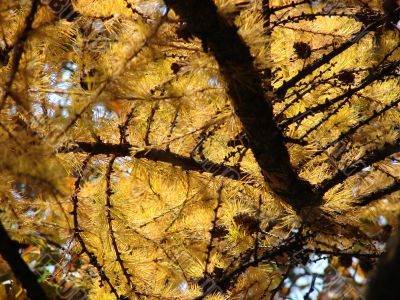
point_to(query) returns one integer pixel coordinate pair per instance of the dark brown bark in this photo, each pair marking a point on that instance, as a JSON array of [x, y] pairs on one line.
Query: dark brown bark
[[158, 155], [9, 250], [384, 282], [247, 96], [378, 194]]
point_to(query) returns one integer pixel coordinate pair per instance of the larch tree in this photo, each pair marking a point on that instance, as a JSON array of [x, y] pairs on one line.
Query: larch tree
[[198, 149]]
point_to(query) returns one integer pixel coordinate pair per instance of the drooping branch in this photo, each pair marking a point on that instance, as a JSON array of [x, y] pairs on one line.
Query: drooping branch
[[77, 232], [247, 95], [9, 250], [111, 230]]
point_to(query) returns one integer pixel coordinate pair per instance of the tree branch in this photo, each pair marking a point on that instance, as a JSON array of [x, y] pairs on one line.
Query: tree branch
[[356, 166], [18, 51], [247, 95], [281, 91], [384, 282], [9, 250], [374, 76], [376, 195], [355, 127], [77, 232], [185, 163]]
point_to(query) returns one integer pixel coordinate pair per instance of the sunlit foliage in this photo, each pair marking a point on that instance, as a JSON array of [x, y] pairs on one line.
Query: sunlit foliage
[[124, 160]]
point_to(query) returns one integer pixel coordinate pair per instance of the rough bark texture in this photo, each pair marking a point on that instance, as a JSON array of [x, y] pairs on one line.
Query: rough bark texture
[[248, 99]]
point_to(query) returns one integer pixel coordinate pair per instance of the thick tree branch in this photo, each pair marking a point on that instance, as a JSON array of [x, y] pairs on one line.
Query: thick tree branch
[[384, 282], [185, 163], [247, 95], [9, 250]]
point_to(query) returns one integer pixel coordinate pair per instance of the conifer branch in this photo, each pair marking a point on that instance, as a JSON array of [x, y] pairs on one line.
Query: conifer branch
[[312, 16], [134, 53], [9, 250], [354, 128], [293, 244], [124, 149], [123, 136], [109, 193], [355, 167], [77, 230], [375, 76], [281, 91], [378, 194], [18, 51], [173, 125], [325, 118], [150, 120], [247, 95], [304, 89], [212, 232]]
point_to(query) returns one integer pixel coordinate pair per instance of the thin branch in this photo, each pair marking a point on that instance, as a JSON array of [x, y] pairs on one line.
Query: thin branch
[[356, 166], [77, 231], [281, 91], [293, 244], [18, 50], [375, 76], [354, 128], [376, 195], [109, 193], [150, 120], [212, 233], [285, 275]]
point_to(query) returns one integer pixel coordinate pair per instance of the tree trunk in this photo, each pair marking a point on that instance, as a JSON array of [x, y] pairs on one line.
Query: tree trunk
[[385, 281], [250, 103]]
